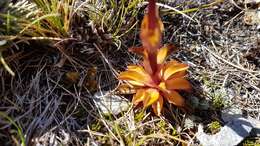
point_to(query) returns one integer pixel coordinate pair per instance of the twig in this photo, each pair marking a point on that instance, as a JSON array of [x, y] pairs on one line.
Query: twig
[[97, 46], [5, 65], [93, 132]]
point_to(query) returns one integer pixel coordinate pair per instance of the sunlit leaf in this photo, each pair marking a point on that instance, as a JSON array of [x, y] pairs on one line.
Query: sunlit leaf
[[151, 38], [138, 69], [139, 96], [162, 54], [152, 96], [135, 83], [162, 86], [179, 74], [174, 98], [178, 84], [157, 106], [171, 70], [151, 28], [171, 63], [126, 89], [135, 78]]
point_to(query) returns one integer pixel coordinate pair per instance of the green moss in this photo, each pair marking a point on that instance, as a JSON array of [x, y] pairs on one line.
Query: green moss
[[218, 101], [162, 125], [139, 116], [214, 127], [96, 126]]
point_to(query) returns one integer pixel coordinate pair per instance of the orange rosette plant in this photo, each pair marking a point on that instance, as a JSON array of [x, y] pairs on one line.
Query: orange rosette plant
[[155, 80]]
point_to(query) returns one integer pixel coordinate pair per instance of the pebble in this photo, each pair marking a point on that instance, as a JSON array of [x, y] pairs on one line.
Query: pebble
[[110, 104]]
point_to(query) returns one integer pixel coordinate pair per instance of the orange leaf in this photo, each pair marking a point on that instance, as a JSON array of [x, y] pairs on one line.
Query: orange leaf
[[135, 83], [139, 50], [173, 62], [178, 84], [162, 54], [151, 38], [171, 70], [167, 65], [157, 106], [139, 96], [145, 71], [179, 74], [151, 28], [174, 98], [138, 69], [152, 96], [125, 89], [135, 78], [153, 15], [162, 86]]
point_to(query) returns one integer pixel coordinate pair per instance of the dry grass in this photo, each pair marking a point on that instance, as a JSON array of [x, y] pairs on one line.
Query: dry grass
[[41, 105]]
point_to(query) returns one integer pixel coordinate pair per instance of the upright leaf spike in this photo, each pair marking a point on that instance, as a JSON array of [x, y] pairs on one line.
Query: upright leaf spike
[[151, 28], [152, 14], [155, 80]]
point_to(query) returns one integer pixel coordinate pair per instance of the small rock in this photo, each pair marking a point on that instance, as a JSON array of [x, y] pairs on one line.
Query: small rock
[[2, 42], [231, 113], [235, 131], [230, 135], [110, 104], [188, 123], [256, 126], [236, 113]]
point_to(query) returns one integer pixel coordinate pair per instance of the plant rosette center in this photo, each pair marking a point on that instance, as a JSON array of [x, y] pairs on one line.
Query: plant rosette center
[[154, 89]]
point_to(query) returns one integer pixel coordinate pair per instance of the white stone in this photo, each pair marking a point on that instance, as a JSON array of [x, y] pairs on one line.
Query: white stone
[[229, 135], [110, 104]]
